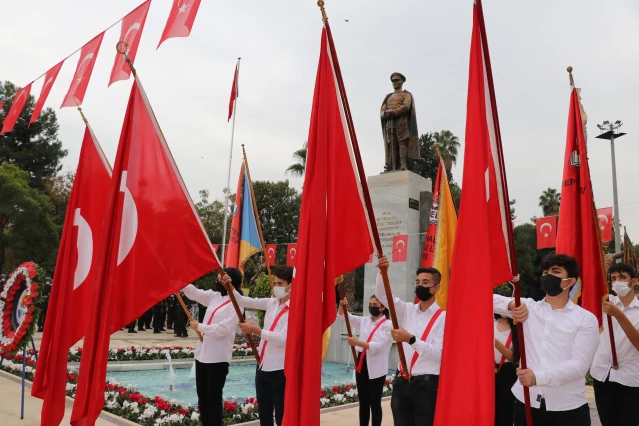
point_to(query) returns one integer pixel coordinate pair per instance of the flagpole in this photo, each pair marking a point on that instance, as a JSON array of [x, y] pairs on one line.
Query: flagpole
[[364, 185], [228, 177], [340, 287], [257, 217]]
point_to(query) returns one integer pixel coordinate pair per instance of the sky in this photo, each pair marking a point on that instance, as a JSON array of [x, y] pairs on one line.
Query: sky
[[188, 80]]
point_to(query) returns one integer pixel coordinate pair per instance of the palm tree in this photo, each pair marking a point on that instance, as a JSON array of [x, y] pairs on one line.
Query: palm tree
[[448, 147], [298, 168], [549, 202]]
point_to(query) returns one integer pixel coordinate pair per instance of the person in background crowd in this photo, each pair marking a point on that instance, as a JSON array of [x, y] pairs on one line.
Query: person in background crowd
[[163, 310], [44, 306], [373, 348], [506, 363], [181, 318], [617, 390], [170, 311], [148, 319], [157, 317]]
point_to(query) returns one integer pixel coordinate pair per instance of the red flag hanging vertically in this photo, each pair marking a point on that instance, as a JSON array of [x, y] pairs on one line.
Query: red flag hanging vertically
[[291, 254], [70, 299], [578, 235], [604, 217], [546, 232], [271, 250], [400, 248], [83, 71], [19, 101], [483, 253], [49, 81], [153, 242], [180, 20], [332, 240], [235, 90], [131, 32], [429, 245]]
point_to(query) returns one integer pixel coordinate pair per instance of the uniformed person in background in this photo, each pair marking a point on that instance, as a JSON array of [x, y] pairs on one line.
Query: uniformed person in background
[[44, 305], [170, 311], [180, 318]]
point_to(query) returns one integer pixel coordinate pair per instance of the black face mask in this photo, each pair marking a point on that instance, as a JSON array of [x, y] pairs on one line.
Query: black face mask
[[219, 287], [374, 310], [551, 284], [423, 293]]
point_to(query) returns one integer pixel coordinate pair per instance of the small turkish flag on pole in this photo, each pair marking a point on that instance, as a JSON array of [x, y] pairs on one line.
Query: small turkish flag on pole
[[604, 217], [130, 34], [400, 248], [83, 71], [180, 19], [291, 252], [546, 232], [19, 101], [271, 250], [49, 80], [235, 90]]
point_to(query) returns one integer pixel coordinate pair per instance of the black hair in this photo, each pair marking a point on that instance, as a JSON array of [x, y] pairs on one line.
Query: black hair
[[514, 341], [385, 311], [433, 271], [284, 272], [236, 277], [623, 267], [568, 263]]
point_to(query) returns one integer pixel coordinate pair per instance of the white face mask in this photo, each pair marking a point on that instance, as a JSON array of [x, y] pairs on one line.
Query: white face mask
[[280, 292], [621, 288]]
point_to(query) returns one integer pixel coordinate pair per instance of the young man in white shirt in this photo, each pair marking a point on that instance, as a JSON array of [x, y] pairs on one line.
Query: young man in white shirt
[[422, 337], [617, 391], [561, 341], [213, 354], [270, 382]]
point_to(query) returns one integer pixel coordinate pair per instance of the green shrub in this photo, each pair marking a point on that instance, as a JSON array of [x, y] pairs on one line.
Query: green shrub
[[262, 289]]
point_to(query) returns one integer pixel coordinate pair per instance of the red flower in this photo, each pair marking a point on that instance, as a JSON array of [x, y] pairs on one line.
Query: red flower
[[183, 411], [336, 389], [28, 318], [323, 393], [386, 383]]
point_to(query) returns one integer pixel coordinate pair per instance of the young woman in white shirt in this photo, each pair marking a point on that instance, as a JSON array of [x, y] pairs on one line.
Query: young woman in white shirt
[[373, 348]]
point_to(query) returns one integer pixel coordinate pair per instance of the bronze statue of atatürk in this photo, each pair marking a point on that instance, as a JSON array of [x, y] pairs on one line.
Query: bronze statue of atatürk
[[399, 125]]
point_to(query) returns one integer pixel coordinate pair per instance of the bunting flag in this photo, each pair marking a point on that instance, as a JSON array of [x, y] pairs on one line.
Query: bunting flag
[[235, 90], [19, 101], [180, 20], [578, 232], [483, 255], [629, 254], [49, 80], [271, 251], [152, 243], [291, 254], [83, 71], [546, 232], [131, 32], [69, 303], [400, 248], [604, 218]]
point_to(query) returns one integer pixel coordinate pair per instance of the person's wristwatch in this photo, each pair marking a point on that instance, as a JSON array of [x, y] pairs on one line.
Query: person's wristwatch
[[412, 340]]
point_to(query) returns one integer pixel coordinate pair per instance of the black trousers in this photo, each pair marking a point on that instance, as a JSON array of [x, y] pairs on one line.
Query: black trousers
[[576, 417], [170, 318], [505, 378], [270, 387], [616, 403], [157, 322], [413, 402], [370, 396], [210, 379], [148, 316]]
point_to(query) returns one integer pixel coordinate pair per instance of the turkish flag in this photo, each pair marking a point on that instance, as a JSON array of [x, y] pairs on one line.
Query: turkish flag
[[235, 90], [291, 254], [180, 19], [578, 233], [75, 271], [152, 244], [546, 232], [333, 238], [400, 248], [49, 81], [604, 217], [19, 101], [83, 71], [271, 251], [483, 255], [131, 32]]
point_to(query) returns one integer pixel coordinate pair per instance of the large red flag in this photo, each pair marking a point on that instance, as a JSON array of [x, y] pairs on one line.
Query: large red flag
[[546, 232], [578, 233], [49, 81], [83, 71], [429, 245], [19, 101], [332, 240], [153, 242], [482, 253], [604, 217], [180, 20], [74, 277], [131, 32], [235, 90]]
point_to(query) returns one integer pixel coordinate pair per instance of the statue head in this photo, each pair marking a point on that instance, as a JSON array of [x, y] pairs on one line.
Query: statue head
[[398, 80], [604, 247]]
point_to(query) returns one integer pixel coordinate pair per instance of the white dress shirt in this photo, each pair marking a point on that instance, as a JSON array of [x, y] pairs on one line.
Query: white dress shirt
[[415, 322], [627, 354], [560, 346], [502, 336], [276, 348], [219, 336], [380, 345]]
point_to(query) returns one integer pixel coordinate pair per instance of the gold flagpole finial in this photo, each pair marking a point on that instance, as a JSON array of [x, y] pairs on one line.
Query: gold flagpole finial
[[125, 52], [83, 117], [320, 3], [569, 69]]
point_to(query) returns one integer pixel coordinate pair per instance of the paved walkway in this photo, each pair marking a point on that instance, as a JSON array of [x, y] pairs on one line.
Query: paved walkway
[[142, 338]]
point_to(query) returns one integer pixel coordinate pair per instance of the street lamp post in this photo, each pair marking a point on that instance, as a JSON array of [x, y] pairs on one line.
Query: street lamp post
[[611, 132]]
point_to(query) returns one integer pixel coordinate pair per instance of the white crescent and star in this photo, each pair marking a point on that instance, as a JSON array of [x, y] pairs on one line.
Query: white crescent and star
[[84, 244], [271, 252], [135, 27], [129, 224], [605, 218], [182, 8], [541, 228], [47, 83], [402, 243], [293, 252], [80, 72]]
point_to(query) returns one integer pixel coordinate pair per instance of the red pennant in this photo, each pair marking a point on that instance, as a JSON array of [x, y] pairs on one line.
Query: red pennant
[[546, 232], [604, 217], [131, 32], [83, 71], [19, 101], [271, 251], [400, 248], [180, 19], [49, 80], [235, 90], [291, 254]]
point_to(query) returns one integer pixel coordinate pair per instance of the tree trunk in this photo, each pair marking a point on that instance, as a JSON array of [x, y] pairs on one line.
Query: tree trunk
[[349, 289]]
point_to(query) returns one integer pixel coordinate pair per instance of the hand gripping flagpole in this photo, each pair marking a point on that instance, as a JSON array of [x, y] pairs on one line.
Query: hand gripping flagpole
[[364, 185], [220, 271], [340, 287]]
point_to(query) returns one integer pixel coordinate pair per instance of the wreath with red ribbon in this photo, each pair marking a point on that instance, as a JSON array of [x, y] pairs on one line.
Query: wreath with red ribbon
[[19, 299]]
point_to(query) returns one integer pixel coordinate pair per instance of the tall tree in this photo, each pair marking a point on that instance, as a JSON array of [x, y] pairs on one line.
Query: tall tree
[[448, 147], [58, 190], [35, 149], [528, 260], [549, 202], [211, 213], [299, 167]]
